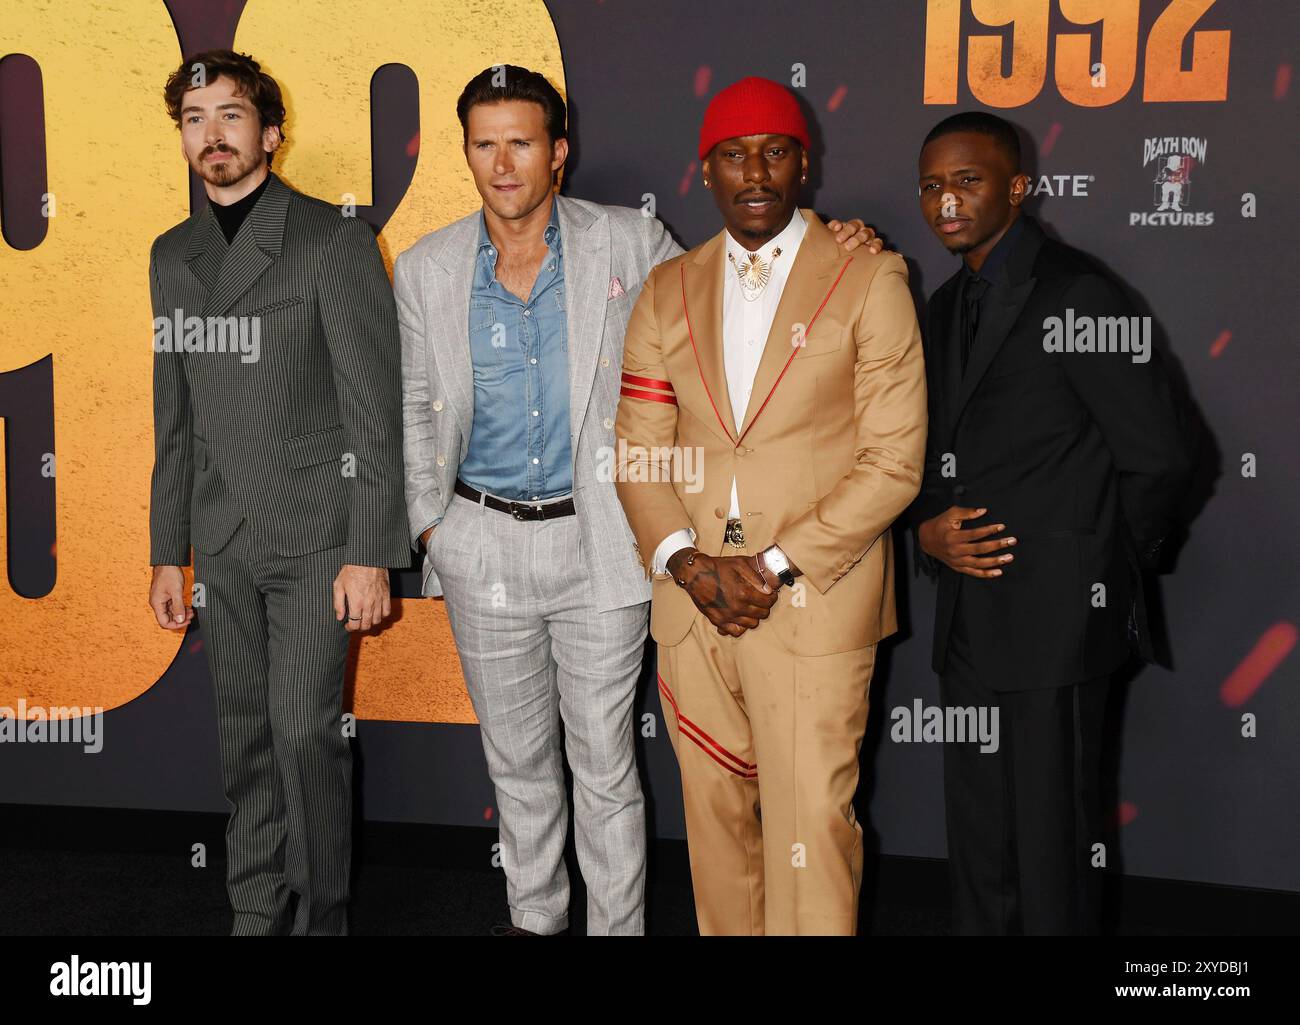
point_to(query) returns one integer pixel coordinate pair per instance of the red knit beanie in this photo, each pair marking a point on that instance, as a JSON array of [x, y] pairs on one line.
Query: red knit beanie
[[752, 106]]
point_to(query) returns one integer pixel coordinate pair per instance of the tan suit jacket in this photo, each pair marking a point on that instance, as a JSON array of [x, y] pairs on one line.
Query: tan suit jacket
[[830, 451]]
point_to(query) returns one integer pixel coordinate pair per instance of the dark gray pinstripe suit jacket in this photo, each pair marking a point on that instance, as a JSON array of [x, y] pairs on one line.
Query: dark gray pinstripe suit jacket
[[264, 440]]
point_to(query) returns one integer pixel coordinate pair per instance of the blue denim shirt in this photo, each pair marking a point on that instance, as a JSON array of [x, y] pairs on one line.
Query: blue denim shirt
[[519, 446]]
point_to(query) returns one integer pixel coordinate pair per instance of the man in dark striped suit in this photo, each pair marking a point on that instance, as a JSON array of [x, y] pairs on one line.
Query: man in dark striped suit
[[278, 457]]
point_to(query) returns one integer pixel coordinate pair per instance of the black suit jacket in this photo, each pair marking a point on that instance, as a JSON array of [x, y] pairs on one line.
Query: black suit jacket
[[1080, 454], [265, 440]]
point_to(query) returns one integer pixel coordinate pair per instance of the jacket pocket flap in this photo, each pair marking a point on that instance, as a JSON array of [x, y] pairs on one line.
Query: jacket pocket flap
[[318, 447], [825, 335], [278, 304]]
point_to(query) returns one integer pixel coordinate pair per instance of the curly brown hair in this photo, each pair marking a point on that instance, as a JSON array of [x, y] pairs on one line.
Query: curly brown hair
[[260, 88]]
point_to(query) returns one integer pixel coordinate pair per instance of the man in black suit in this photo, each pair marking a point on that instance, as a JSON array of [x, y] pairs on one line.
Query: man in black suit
[[1054, 463]]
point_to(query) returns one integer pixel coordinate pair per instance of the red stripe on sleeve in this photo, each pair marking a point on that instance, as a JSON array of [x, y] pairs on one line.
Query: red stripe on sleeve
[[647, 382], [653, 396]]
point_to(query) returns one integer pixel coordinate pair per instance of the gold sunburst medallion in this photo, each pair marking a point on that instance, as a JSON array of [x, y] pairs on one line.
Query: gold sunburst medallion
[[753, 273]]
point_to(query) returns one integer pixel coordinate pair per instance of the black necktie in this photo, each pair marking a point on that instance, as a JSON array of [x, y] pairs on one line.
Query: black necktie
[[972, 292]]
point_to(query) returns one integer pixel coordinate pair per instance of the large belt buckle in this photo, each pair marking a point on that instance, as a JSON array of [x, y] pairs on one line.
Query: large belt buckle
[[735, 534], [519, 511]]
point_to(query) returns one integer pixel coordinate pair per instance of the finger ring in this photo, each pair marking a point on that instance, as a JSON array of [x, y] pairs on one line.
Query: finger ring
[[355, 618]]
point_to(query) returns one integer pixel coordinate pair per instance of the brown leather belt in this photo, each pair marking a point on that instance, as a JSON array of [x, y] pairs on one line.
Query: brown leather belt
[[519, 510]]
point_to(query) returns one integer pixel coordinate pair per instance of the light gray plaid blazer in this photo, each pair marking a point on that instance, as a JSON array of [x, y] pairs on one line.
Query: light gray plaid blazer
[[432, 281]]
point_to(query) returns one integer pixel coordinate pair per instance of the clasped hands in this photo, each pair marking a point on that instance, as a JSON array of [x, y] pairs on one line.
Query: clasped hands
[[734, 592]]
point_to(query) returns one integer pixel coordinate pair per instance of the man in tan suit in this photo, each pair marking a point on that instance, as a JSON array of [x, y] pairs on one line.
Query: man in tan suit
[[795, 373]]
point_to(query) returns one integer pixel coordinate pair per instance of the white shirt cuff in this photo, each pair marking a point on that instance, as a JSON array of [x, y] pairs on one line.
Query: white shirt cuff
[[670, 546]]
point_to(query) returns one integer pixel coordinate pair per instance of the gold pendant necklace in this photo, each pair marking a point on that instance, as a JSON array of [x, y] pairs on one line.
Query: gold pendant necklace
[[753, 273]]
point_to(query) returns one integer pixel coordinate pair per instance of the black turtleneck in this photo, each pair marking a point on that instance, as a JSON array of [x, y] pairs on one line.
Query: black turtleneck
[[231, 216]]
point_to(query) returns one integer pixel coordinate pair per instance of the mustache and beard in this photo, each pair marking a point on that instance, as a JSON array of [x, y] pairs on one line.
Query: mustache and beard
[[740, 200], [226, 172]]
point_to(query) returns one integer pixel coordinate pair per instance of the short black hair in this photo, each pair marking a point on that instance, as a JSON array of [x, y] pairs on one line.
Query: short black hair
[[503, 82], [983, 123]]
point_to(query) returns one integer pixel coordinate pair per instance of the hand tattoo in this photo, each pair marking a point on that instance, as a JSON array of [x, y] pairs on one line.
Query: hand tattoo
[[718, 597]]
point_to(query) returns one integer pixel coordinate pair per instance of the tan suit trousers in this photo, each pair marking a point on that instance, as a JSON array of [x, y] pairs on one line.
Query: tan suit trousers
[[767, 742]]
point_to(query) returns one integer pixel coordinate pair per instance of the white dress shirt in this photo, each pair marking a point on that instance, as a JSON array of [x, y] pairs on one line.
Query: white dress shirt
[[745, 327]]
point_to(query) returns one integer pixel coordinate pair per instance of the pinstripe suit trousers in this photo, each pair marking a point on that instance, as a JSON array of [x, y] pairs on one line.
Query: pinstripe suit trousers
[[276, 655], [536, 652]]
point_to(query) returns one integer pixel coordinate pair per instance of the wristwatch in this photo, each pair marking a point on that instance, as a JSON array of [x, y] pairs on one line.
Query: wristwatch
[[774, 559]]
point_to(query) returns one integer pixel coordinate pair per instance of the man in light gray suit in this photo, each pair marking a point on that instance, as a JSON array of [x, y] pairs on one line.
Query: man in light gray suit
[[277, 456], [512, 324]]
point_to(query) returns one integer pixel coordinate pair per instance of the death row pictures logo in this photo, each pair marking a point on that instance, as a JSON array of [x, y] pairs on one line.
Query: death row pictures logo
[[1173, 161]]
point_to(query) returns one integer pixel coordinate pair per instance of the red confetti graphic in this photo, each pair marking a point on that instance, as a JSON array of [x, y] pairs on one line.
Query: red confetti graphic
[[54, 549], [703, 75], [685, 185], [1220, 344], [1049, 140], [487, 813], [837, 97], [1282, 83], [1125, 813], [1268, 653], [413, 147], [196, 646]]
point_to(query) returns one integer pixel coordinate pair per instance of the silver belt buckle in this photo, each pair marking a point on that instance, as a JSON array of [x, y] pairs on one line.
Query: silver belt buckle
[[517, 510]]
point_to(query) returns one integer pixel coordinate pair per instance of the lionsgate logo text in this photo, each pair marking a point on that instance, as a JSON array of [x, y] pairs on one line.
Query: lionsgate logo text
[[179, 333], [637, 464], [951, 724], [35, 724]]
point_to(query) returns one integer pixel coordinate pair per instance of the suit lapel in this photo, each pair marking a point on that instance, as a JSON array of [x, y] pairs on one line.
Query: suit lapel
[[256, 246], [1002, 307], [948, 334], [943, 358], [584, 239], [703, 296], [451, 277], [805, 287], [206, 248]]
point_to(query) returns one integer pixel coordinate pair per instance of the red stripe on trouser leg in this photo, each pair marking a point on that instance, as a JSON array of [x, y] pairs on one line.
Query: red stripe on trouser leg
[[748, 770], [700, 744]]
